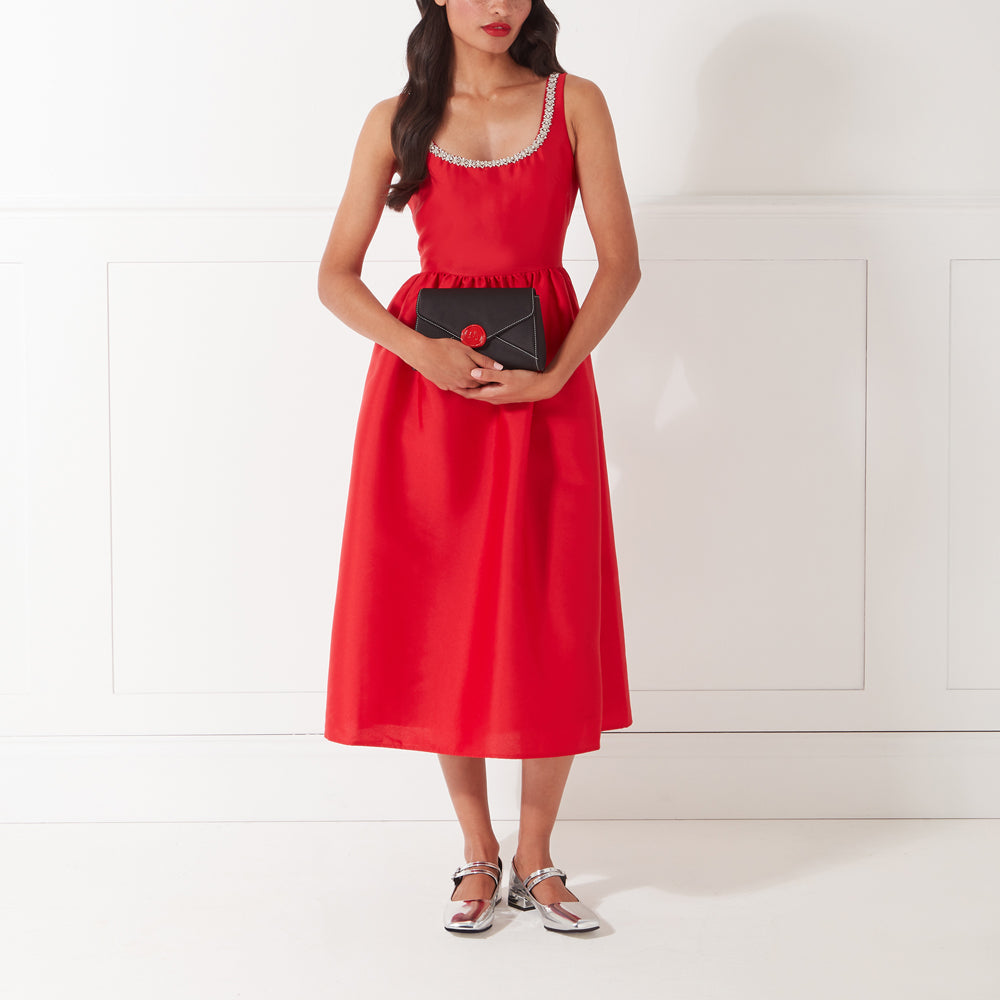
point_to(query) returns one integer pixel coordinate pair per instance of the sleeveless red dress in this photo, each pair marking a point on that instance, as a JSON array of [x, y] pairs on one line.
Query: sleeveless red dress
[[477, 609]]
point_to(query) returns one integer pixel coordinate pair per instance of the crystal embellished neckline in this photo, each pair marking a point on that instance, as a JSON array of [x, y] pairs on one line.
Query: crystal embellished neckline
[[543, 131]]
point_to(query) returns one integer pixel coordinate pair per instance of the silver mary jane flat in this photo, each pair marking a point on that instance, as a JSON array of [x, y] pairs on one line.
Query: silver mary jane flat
[[566, 915], [473, 914]]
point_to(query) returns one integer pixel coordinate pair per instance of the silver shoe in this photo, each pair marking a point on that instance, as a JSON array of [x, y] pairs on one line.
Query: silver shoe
[[473, 914], [566, 915]]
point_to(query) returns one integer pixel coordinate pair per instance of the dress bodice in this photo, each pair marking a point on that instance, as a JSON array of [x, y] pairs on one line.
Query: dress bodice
[[499, 216]]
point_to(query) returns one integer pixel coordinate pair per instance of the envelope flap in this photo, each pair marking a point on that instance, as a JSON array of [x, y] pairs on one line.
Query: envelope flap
[[494, 309]]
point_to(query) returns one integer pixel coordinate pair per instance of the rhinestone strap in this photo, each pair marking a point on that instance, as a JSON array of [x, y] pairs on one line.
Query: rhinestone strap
[[550, 103]]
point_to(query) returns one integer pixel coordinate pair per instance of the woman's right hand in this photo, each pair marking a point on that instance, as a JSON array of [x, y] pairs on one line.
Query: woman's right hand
[[448, 363]]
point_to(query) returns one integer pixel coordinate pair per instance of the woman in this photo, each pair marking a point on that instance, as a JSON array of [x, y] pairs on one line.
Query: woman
[[478, 610]]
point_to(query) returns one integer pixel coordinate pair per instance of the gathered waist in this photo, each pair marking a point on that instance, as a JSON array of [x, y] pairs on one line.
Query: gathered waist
[[430, 268]]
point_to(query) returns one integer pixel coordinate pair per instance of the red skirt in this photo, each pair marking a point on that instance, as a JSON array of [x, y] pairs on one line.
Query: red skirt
[[478, 609]]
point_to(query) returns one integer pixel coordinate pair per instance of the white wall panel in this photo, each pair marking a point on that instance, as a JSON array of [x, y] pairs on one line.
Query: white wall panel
[[13, 482], [736, 415], [733, 392], [974, 476], [233, 399]]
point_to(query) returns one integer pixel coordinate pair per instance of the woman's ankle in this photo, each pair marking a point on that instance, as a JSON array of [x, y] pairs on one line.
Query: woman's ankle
[[528, 860], [480, 851]]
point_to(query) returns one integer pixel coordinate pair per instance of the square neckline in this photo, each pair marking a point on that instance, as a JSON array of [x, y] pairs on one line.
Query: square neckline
[[543, 131]]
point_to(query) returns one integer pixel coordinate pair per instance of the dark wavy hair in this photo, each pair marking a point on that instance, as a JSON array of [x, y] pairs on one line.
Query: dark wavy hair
[[430, 61]]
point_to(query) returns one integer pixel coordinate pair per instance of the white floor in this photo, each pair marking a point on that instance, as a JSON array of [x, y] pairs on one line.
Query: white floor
[[692, 909]]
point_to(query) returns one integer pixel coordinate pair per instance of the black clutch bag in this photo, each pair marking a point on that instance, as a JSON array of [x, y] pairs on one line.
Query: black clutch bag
[[505, 324]]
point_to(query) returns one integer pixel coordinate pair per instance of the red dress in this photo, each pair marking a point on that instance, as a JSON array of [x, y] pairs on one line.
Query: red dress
[[478, 609]]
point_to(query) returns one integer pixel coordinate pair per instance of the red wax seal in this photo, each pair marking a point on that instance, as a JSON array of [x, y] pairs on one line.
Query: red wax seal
[[473, 335]]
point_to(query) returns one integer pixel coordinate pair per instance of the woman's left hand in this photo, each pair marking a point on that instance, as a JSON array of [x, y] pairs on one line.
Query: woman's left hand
[[511, 385]]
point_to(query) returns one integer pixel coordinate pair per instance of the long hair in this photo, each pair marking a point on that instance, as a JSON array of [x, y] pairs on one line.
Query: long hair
[[430, 61]]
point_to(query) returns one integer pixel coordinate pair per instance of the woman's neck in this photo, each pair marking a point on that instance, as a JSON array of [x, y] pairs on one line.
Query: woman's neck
[[482, 74]]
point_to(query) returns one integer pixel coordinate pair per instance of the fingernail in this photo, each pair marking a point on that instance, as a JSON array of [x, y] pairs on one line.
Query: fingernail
[[476, 372], [496, 364]]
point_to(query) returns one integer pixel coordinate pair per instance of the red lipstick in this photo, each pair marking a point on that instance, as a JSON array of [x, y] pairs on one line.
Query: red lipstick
[[498, 29]]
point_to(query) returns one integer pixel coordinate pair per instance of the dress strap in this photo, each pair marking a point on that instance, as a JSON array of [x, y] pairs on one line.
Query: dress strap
[[559, 113]]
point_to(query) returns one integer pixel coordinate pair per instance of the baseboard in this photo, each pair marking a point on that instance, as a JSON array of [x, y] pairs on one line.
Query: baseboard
[[903, 775]]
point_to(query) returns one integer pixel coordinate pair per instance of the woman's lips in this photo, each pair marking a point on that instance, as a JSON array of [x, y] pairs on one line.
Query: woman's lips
[[497, 28]]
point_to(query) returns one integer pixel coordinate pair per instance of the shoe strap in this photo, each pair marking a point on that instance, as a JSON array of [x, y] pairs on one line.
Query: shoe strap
[[478, 868], [540, 875]]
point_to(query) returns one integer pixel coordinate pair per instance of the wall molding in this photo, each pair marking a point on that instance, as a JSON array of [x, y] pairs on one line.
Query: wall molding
[[770, 204]]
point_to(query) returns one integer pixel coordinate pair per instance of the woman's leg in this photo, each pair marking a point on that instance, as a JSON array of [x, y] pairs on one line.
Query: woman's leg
[[542, 782], [466, 780]]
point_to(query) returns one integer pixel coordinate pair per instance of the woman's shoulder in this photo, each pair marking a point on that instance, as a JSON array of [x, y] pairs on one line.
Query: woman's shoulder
[[582, 92], [376, 132], [382, 113], [583, 102], [387, 108]]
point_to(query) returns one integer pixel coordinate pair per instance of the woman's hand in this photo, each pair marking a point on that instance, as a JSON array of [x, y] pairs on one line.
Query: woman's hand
[[450, 365], [512, 385], [447, 363]]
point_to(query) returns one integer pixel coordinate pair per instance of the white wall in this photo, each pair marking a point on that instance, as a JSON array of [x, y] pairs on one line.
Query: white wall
[[798, 405], [256, 101]]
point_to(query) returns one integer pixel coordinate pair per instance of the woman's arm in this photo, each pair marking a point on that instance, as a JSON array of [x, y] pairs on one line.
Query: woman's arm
[[609, 216], [605, 203], [340, 287]]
